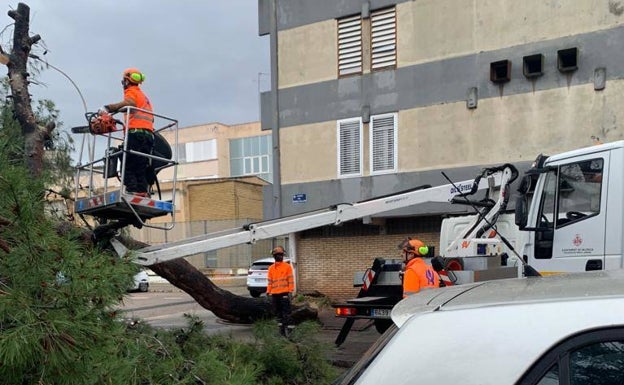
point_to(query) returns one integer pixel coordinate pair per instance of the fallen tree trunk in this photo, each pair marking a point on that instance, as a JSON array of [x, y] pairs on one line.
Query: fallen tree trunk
[[224, 304]]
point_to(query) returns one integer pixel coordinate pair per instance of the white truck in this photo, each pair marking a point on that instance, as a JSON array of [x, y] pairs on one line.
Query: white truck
[[574, 219]]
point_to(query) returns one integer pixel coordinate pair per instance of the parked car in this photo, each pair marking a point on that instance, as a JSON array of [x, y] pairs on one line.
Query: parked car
[[257, 276], [566, 329], [141, 282]]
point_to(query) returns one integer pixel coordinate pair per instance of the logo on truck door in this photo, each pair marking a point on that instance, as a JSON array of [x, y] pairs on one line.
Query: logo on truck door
[[577, 241]]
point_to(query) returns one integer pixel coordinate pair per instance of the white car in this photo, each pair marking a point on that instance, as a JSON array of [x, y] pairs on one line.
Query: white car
[[257, 276], [566, 329], [141, 282]]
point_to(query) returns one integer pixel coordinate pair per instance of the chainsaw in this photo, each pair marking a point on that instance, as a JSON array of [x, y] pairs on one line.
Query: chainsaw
[[99, 123]]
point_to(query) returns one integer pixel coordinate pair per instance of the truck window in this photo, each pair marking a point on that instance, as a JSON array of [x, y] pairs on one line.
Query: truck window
[[580, 185], [547, 202]]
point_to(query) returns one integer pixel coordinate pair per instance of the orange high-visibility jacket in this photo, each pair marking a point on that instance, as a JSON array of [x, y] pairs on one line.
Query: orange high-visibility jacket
[[280, 278], [418, 275], [139, 119]]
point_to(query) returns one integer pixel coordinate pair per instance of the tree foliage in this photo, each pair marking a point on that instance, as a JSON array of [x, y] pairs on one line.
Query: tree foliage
[[59, 322]]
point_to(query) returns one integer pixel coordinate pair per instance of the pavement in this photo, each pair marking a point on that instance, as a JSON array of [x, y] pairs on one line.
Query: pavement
[[360, 338]]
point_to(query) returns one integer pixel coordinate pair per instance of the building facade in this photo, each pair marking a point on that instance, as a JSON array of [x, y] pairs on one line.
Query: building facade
[[371, 97]]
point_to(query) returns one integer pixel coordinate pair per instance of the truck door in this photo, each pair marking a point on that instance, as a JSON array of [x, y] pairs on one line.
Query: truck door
[[571, 221]]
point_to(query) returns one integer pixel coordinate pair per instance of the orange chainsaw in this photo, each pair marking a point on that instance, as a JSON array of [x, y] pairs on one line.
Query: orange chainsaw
[[100, 123]]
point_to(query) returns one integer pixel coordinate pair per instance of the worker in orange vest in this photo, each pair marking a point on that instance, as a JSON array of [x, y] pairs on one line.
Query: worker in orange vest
[[418, 274], [280, 286], [140, 131]]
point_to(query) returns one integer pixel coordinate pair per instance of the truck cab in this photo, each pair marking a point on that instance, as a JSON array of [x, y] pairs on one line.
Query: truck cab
[[575, 216]]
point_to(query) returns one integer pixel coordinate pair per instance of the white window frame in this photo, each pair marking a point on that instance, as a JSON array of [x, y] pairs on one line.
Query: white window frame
[[254, 171], [201, 151], [350, 47], [339, 154], [373, 145], [383, 39]]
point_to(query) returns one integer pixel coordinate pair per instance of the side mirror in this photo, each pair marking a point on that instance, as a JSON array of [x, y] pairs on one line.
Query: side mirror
[[525, 184], [521, 217]]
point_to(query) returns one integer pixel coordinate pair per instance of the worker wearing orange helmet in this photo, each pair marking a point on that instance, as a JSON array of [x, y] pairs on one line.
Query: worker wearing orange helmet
[[280, 285], [418, 274], [140, 127]]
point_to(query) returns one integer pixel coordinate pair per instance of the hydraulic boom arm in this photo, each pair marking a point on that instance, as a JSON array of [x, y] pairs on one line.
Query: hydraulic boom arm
[[334, 215]]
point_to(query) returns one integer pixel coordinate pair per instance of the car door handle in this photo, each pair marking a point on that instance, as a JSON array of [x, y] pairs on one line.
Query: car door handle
[[593, 264]]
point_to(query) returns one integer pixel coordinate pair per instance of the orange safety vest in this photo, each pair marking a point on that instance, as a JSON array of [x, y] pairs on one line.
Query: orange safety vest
[[418, 275], [280, 278], [139, 119]]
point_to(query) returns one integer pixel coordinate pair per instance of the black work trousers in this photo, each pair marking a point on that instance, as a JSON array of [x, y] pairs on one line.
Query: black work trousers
[[136, 166], [281, 308]]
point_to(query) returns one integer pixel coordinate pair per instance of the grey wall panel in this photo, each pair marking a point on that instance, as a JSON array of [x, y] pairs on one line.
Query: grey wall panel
[[264, 17], [326, 193], [266, 110], [295, 13], [448, 81]]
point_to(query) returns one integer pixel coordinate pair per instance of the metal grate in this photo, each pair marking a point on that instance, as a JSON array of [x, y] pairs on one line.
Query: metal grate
[[383, 143], [383, 38], [350, 45], [350, 147]]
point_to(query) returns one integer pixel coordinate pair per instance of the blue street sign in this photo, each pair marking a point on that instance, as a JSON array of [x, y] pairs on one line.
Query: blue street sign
[[299, 198]]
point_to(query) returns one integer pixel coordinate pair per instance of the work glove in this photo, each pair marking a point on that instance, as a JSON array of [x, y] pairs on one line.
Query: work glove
[[102, 110]]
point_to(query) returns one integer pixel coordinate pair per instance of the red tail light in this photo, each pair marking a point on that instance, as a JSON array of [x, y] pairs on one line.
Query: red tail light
[[345, 311]]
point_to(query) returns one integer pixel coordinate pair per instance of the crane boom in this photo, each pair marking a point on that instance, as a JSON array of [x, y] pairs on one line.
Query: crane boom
[[334, 215]]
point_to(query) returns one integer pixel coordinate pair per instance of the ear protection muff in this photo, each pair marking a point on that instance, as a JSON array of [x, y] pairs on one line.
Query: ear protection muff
[[137, 77]]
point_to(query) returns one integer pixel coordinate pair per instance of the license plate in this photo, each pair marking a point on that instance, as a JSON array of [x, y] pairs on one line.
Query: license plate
[[381, 312]]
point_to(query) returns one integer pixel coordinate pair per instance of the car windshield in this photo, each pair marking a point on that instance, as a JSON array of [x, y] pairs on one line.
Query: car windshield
[[350, 377]]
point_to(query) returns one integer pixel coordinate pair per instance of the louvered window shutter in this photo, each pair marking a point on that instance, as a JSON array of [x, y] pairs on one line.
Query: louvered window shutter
[[383, 135], [350, 45], [350, 147], [383, 38]]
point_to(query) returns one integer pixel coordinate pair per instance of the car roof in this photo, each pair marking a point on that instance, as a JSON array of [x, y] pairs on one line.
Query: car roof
[[510, 292], [492, 332], [268, 260]]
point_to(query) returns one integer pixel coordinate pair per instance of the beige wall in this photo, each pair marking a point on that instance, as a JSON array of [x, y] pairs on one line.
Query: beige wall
[[516, 128], [308, 54], [219, 167], [509, 129], [308, 152]]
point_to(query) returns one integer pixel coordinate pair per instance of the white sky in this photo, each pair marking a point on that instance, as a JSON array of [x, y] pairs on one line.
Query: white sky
[[201, 58]]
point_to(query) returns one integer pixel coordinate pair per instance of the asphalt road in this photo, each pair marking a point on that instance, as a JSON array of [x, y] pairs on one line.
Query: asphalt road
[[164, 306]]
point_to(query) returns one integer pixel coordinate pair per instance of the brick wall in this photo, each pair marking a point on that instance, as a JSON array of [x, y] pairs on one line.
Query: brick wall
[[327, 263], [224, 200]]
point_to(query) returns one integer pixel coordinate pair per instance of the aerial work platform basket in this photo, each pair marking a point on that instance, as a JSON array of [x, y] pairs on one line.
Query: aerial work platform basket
[[99, 189]]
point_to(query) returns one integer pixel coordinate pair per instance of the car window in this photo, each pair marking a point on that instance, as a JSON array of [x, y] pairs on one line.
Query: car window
[[599, 363], [595, 357], [260, 266]]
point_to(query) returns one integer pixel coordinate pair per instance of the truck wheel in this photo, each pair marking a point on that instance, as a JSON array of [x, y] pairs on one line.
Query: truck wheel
[[143, 287], [381, 325], [254, 293]]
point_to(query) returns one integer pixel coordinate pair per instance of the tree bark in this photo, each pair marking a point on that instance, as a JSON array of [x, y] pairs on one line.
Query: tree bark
[[18, 81]]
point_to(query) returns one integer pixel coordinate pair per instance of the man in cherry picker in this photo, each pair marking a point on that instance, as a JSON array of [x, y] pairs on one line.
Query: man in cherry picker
[[140, 128], [418, 274]]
